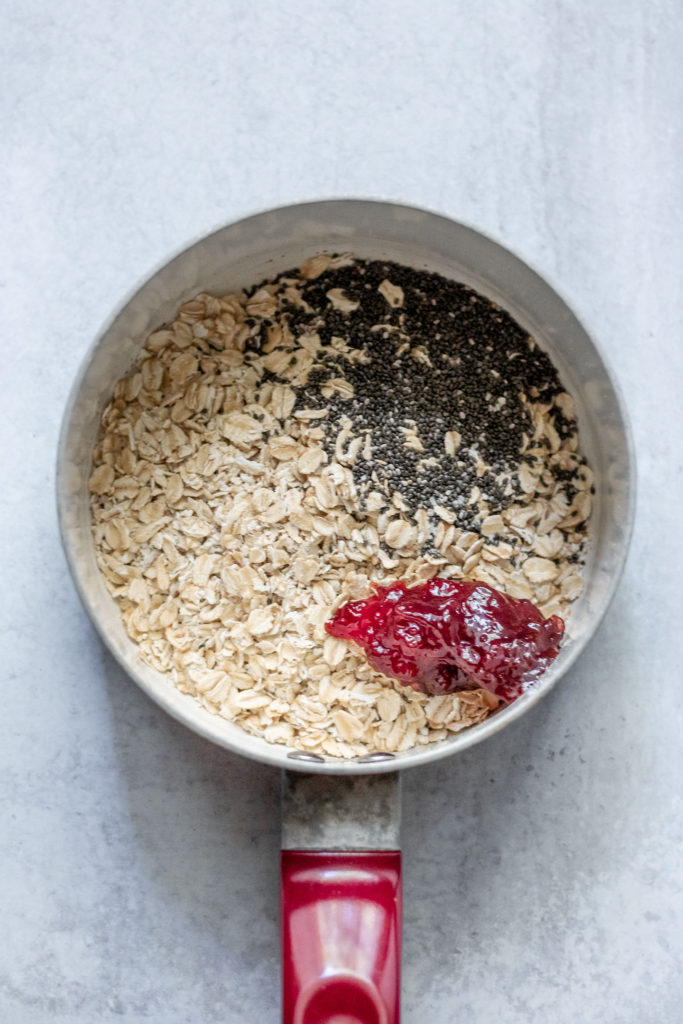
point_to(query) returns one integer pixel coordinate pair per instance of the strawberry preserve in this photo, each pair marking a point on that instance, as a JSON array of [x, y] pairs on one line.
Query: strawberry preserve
[[442, 636]]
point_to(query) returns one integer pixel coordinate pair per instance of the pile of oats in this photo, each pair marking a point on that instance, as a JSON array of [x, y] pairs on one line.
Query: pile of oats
[[236, 504]]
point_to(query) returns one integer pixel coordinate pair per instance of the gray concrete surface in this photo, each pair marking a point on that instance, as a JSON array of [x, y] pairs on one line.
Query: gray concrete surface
[[138, 874]]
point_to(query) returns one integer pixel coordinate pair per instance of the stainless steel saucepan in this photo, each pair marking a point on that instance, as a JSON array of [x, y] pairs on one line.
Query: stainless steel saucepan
[[341, 859]]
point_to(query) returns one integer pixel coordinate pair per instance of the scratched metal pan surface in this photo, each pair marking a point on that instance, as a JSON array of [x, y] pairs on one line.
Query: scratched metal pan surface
[[262, 245]]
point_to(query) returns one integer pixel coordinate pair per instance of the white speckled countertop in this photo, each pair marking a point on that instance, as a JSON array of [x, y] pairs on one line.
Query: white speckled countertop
[[138, 874]]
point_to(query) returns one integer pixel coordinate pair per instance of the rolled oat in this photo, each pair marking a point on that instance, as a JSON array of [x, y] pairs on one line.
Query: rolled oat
[[244, 487]]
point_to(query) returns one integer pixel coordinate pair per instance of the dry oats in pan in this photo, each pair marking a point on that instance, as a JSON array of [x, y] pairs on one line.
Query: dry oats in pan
[[274, 452]]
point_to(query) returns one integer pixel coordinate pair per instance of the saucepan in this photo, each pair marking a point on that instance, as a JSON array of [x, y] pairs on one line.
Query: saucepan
[[341, 893]]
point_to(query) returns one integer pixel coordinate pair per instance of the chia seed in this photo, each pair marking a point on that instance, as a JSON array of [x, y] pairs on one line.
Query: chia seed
[[447, 359]]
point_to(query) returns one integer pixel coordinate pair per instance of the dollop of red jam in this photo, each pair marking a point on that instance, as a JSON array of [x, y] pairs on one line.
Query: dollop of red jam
[[443, 636]]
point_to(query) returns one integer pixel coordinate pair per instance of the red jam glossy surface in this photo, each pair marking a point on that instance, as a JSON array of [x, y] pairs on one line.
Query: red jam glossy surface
[[442, 636]]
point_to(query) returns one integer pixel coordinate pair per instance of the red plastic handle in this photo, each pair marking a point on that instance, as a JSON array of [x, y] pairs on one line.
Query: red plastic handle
[[341, 937]]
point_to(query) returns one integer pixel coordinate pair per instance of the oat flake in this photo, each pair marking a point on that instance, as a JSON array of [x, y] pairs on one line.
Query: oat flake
[[231, 516]]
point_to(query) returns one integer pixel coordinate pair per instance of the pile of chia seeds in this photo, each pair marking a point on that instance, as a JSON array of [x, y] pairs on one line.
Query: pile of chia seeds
[[446, 359]]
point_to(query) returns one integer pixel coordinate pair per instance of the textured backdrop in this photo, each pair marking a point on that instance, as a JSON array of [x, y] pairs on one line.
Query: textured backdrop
[[139, 868]]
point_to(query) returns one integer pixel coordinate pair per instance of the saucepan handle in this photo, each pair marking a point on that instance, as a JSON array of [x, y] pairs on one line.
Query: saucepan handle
[[341, 937]]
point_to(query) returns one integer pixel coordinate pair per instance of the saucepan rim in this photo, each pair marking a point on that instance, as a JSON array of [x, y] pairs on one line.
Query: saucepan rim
[[208, 725]]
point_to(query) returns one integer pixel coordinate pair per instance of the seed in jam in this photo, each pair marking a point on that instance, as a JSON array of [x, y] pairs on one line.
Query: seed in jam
[[443, 636]]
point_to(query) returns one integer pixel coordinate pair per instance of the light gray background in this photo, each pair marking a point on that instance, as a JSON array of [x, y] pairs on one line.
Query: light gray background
[[139, 865]]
